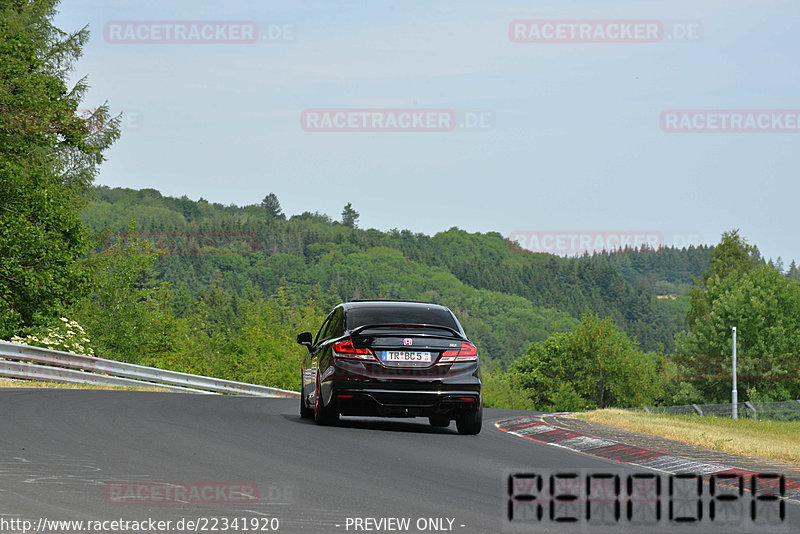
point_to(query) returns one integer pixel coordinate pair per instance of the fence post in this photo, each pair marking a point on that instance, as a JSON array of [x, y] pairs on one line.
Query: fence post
[[697, 409]]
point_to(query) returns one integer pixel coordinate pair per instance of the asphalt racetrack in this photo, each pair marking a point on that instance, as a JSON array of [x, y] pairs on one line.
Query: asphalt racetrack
[[98, 455]]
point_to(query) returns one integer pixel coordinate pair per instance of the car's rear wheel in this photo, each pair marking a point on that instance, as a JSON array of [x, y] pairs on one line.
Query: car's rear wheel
[[470, 422], [439, 420], [324, 415], [305, 412]]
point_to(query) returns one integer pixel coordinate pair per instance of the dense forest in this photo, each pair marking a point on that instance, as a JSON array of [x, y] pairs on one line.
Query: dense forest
[[240, 281], [506, 296]]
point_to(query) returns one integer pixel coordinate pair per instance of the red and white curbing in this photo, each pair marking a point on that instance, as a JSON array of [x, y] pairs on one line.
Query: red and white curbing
[[535, 429]]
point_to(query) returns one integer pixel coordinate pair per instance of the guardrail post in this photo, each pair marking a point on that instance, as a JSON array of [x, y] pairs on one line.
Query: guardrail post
[[752, 408], [697, 409]]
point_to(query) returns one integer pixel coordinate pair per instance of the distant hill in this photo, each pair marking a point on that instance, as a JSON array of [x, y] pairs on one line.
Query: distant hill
[[506, 296]]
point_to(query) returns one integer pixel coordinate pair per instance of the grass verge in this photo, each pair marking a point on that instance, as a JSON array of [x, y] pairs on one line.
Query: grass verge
[[6, 383], [774, 440]]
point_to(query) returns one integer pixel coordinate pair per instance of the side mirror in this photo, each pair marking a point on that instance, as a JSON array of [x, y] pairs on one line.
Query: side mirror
[[305, 339]]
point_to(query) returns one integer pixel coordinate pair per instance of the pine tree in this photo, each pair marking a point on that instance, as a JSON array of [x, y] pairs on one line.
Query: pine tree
[[272, 206], [349, 216], [793, 272]]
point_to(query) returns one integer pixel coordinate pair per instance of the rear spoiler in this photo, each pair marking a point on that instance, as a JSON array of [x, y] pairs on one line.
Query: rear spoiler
[[359, 329]]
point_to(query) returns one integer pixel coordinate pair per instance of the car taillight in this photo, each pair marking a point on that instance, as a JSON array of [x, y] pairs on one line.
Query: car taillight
[[345, 349], [467, 353]]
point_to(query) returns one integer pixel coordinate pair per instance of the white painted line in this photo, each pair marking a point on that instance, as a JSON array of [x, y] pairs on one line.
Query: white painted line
[[679, 465], [533, 430], [582, 443]]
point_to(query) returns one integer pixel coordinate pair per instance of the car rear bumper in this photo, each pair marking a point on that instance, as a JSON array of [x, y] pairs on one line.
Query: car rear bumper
[[399, 399]]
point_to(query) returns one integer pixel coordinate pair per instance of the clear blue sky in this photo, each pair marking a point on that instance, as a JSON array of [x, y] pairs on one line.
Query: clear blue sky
[[574, 141]]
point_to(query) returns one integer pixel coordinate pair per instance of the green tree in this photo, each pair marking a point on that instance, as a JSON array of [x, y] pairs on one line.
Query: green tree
[[126, 313], [740, 290], [349, 216], [500, 391], [48, 160], [264, 350], [793, 272], [765, 307], [595, 366], [272, 206], [733, 257]]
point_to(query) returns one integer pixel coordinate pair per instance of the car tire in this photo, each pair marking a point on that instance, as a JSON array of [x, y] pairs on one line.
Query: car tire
[[439, 420], [324, 415], [305, 413], [470, 422]]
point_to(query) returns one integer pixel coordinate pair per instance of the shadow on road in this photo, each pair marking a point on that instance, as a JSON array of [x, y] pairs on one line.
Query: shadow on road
[[416, 426]]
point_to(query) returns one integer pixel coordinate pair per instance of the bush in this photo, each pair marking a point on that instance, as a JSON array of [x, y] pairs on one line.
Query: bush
[[595, 366], [67, 336]]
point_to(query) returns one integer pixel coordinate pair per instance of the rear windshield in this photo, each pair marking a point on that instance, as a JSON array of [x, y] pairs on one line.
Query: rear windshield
[[400, 315]]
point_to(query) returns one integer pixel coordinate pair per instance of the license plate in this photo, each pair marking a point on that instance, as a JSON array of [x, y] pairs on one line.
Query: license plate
[[405, 356]]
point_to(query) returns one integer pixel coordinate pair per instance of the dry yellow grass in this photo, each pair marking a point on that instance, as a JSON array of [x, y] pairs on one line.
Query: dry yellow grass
[[6, 383], [774, 440]]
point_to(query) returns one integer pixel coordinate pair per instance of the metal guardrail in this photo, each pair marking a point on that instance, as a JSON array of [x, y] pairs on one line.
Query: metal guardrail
[[28, 362], [32, 371], [775, 411]]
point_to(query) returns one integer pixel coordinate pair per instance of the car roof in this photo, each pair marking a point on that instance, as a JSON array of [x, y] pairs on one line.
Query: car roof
[[379, 303]]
